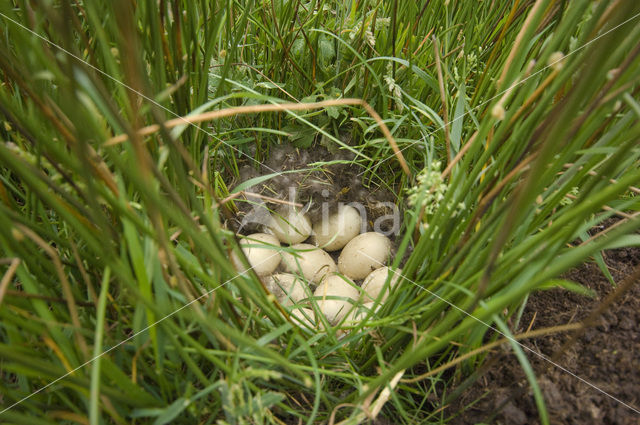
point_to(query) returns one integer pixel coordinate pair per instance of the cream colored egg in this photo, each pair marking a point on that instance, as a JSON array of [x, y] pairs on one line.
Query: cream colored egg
[[290, 226], [364, 254], [336, 296], [288, 288], [262, 251], [303, 316], [374, 283], [309, 261], [338, 229]]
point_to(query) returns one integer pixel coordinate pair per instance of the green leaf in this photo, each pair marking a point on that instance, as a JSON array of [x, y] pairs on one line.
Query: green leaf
[[429, 80], [569, 286], [298, 47], [94, 412], [326, 51], [303, 138], [528, 369], [603, 267], [179, 129], [624, 241], [310, 99], [333, 111], [262, 401], [597, 256], [456, 123], [172, 411], [269, 85], [137, 258]]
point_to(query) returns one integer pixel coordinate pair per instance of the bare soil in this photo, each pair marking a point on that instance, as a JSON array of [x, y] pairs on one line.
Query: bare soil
[[607, 356]]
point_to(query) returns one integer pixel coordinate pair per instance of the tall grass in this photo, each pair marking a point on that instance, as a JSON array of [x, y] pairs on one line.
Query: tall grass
[[122, 247]]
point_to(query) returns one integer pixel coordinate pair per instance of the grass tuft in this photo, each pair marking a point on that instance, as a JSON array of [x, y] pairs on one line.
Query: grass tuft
[[124, 127]]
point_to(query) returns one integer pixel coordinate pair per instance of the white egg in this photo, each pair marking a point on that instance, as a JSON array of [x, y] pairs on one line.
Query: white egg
[[309, 261], [338, 229], [374, 282], [363, 254], [333, 295], [288, 288], [303, 316], [290, 226], [262, 251], [358, 314]]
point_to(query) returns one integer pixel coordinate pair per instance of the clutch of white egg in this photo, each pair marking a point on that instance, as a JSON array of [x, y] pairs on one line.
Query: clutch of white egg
[[292, 271]]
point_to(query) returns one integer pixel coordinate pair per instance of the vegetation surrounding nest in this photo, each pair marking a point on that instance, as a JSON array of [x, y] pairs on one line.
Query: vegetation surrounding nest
[[134, 132]]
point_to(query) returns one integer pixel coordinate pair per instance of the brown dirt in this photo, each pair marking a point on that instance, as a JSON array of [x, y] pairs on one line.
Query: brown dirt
[[607, 356], [335, 180]]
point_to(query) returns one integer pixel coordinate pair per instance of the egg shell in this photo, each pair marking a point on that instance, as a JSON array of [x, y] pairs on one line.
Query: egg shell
[[288, 288], [374, 282], [338, 229], [363, 254], [311, 262], [331, 287], [298, 317], [262, 260], [290, 226]]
